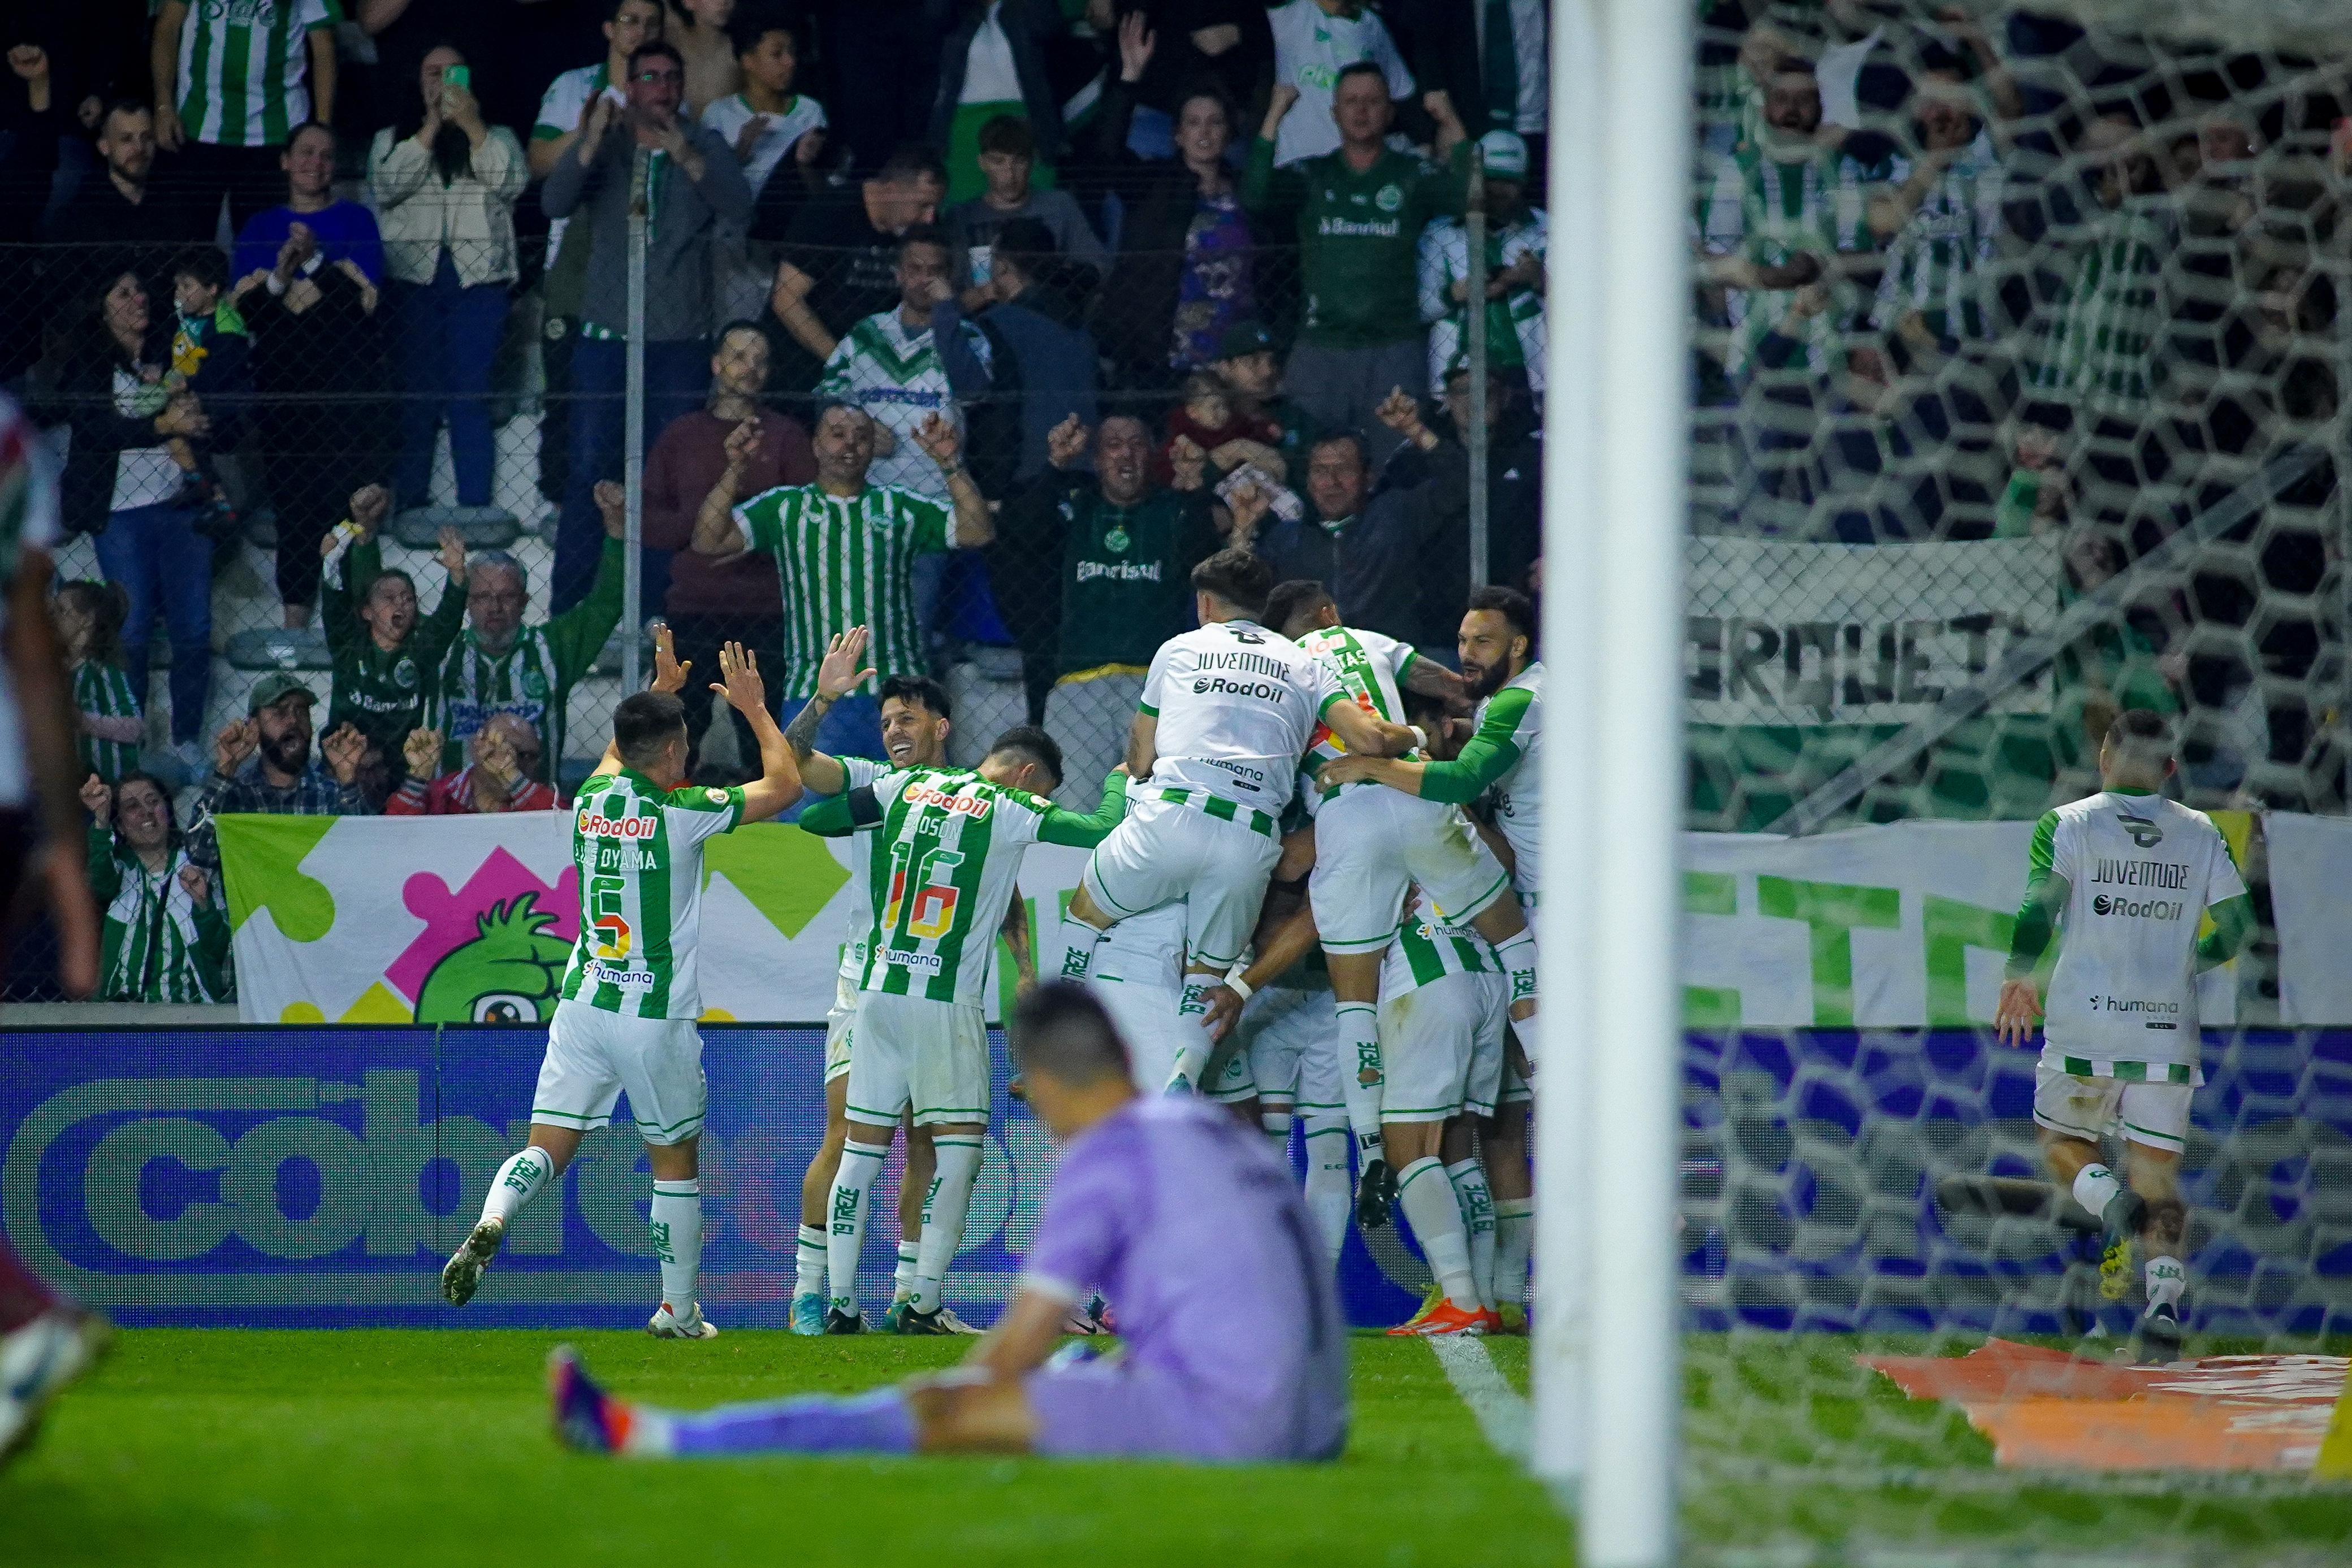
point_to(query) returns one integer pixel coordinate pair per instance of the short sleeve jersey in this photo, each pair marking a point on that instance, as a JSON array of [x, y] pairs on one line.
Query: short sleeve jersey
[[1427, 951], [1237, 705], [728, 116], [638, 849], [2141, 871], [103, 691], [1370, 667], [1190, 1225], [941, 869], [857, 772], [244, 65], [895, 374], [845, 560], [1514, 717], [1311, 47]]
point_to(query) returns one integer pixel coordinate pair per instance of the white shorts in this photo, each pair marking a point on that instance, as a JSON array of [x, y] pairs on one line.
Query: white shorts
[[1139, 977], [1442, 1049], [1370, 843], [2156, 1114], [840, 1028], [1169, 852], [1286, 1047], [594, 1057], [912, 1052]]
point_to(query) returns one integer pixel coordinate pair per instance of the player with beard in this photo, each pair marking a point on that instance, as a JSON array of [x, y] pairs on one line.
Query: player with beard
[[1499, 763], [915, 728]]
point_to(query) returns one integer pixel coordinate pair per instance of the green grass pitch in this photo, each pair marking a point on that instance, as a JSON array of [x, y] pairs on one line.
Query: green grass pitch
[[362, 1448]]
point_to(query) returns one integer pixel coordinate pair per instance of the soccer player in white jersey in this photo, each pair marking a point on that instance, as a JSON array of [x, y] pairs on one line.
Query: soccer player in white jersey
[[945, 849], [1498, 765], [627, 1019], [915, 729], [1373, 843], [2130, 876], [1228, 710]]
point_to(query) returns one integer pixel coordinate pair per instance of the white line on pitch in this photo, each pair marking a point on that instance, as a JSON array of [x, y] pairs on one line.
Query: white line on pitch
[[1501, 1412]]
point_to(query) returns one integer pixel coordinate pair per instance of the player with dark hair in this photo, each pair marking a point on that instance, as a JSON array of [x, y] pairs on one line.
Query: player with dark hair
[[2130, 877], [1227, 712], [626, 1020], [1182, 1213]]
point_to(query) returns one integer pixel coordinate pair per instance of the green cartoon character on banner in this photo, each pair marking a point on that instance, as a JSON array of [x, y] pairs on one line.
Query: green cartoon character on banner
[[510, 973]]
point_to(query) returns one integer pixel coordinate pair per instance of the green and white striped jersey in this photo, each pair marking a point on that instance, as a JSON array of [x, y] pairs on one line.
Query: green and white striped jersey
[[1425, 951], [1372, 669], [1515, 323], [845, 561], [159, 943], [103, 691], [533, 678], [857, 772], [1770, 211], [1940, 262], [638, 849], [244, 68], [2102, 351], [941, 870], [893, 372]]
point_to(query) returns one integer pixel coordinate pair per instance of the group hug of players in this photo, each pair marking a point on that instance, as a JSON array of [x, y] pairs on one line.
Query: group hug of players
[[1288, 909]]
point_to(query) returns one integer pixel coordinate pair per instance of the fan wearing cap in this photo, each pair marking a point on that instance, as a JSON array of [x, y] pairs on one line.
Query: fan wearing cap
[[262, 763], [1518, 235]]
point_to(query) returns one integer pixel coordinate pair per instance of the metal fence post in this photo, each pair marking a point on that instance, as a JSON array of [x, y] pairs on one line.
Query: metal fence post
[[633, 470]]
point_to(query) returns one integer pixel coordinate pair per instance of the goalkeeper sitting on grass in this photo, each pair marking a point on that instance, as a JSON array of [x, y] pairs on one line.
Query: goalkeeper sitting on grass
[[1178, 1211], [2130, 876]]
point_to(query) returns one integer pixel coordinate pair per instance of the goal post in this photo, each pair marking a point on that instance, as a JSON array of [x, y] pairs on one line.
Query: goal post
[[1608, 1378]]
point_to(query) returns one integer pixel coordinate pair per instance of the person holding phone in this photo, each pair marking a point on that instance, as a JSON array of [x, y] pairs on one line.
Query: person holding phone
[[444, 185]]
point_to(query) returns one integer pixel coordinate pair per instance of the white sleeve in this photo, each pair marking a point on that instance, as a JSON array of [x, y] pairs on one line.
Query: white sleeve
[[2223, 882], [2063, 850], [1155, 679], [1391, 63], [860, 771]]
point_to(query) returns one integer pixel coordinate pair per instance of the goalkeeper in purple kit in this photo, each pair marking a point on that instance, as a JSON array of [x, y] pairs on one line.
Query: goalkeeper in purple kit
[[1178, 1211]]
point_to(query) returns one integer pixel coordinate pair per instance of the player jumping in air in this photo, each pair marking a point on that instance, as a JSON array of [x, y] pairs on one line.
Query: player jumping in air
[[2130, 876], [625, 1021], [1182, 1213], [1227, 712], [915, 729], [945, 861], [1498, 763]]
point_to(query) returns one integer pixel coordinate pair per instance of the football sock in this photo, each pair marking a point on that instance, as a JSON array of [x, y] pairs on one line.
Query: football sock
[[1428, 1201], [517, 1182], [1331, 1190], [1517, 955], [1078, 962], [875, 1423], [22, 1297], [2095, 1187], [1469, 1178], [677, 1242], [808, 1257], [902, 1278], [1514, 1233], [1360, 1074], [853, 1197], [1191, 1020], [2166, 1281], [943, 1212]]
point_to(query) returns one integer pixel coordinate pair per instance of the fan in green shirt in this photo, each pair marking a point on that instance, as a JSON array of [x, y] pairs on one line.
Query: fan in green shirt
[[382, 652], [167, 938]]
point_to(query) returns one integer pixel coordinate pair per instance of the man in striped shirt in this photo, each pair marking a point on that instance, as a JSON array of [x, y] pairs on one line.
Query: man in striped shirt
[[1942, 224], [2099, 357], [889, 364], [626, 1022], [232, 78], [845, 551]]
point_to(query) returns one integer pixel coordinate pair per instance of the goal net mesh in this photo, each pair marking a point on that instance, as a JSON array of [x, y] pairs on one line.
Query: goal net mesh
[[2019, 357]]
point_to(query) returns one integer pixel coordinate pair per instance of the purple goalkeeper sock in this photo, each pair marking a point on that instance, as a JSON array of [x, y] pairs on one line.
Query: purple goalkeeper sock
[[875, 1423]]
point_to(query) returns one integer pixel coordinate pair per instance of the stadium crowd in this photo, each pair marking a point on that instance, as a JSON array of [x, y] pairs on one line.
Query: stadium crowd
[[1046, 301]]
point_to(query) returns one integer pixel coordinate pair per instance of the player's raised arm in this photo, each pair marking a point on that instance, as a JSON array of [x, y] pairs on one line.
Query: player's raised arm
[[669, 675], [843, 671], [779, 784]]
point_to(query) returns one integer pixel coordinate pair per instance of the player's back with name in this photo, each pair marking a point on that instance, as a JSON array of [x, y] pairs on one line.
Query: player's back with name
[[1236, 706]]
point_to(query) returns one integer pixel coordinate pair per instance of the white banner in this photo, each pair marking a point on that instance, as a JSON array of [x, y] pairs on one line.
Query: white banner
[[464, 919], [1781, 633]]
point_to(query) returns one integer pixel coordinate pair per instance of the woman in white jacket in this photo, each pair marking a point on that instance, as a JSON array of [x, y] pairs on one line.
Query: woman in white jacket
[[445, 186]]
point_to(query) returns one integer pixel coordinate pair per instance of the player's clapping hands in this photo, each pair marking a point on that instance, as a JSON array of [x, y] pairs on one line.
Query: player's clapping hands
[[844, 668]]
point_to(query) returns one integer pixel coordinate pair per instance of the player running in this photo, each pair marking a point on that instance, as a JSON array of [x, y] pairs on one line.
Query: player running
[[625, 1021], [1228, 710], [1193, 1225], [1498, 763], [2130, 876], [944, 863], [915, 728], [1373, 843]]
